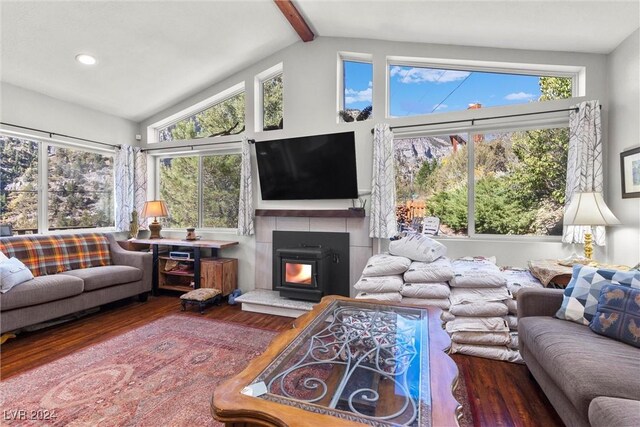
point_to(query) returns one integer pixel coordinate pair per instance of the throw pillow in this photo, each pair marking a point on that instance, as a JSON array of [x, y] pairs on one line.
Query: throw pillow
[[581, 296], [3, 257], [12, 273], [618, 314], [418, 247]]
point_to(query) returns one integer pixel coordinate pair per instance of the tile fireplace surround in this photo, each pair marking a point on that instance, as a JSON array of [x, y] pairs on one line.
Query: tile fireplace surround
[[360, 244]]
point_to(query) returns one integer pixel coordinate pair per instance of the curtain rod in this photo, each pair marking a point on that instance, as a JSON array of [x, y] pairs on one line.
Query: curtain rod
[[191, 147], [52, 134], [485, 118]]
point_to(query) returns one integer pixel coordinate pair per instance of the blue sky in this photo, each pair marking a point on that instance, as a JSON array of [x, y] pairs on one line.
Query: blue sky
[[416, 91]]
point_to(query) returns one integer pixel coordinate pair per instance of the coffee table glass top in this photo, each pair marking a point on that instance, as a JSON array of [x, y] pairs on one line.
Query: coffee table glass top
[[357, 361]]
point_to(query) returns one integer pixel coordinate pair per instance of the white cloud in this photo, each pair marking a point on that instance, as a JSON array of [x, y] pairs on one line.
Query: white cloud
[[440, 107], [352, 95], [419, 75], [519, 95]]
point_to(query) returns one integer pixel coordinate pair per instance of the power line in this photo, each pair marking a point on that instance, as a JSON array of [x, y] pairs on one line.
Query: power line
[[451, 93]]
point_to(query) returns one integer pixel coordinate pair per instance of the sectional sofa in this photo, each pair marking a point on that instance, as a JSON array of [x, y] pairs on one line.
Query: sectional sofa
[[590, 379], [72, 273]]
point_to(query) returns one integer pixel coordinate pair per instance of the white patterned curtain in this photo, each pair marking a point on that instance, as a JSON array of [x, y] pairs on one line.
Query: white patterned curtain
[[584, 164], [245, 206], [131, 185], [383, 223]]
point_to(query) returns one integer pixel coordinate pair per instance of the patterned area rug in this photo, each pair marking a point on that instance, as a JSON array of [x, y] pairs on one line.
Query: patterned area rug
[[163, 373]]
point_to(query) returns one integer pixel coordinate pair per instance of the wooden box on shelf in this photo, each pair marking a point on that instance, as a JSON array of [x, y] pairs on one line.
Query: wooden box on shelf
[[220, 273]]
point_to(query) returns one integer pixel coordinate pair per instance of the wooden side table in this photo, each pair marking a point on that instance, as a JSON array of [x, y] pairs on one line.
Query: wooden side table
[[195, 245], [550, 273]]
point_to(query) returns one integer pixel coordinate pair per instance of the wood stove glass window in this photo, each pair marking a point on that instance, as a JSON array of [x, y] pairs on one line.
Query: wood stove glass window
[[298, 273]]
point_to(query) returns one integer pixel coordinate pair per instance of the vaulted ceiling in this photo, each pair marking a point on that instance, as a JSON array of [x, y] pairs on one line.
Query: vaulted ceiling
[[152, 54]]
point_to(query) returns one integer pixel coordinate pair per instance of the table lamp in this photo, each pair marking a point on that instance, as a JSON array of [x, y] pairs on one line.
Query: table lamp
[[155, 209], [589, 209]]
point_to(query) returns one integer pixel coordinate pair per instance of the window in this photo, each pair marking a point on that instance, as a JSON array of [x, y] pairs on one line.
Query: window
[[272, 103], [80, 189], [431, 180], [201, 191], [518, 181], [357, 90], [418, 90], [19, 183], [225, 117], [77, 192]]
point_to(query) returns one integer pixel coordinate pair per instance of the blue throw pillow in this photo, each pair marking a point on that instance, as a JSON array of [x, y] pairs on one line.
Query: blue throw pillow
[[583, 291], [618, 314], [12, 273]]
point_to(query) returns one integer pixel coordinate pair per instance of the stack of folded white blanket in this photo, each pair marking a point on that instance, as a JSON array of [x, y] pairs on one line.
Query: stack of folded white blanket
[[480, 328], [517, 279], [426, 284], [382, 278]]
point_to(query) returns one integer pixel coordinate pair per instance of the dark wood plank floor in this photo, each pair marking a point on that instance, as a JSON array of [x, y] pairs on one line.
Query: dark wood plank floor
[[500, 393]]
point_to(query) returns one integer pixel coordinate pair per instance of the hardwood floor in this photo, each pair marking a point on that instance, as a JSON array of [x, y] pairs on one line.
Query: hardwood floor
[[500, 393]]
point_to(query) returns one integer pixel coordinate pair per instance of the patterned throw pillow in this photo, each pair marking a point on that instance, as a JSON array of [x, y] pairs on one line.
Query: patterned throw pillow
[[581, 296], [618, 314]]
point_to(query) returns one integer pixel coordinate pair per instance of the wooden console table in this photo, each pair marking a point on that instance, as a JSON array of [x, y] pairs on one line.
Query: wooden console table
[[197, 245]]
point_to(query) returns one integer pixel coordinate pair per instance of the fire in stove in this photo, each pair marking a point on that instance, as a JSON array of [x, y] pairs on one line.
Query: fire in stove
[[298, 273]]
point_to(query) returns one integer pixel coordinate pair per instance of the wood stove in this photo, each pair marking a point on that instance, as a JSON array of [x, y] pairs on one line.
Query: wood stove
[[303, 272], [309, 265]]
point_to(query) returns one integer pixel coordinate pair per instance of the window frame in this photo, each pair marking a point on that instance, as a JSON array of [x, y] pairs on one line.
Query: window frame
[[576, 73], [268, 74], [553, 120], [232, 148], [365, 58], [153, 130], [43, 178]]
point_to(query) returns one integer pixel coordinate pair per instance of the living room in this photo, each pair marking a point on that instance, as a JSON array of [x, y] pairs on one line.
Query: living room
[[161, 65]]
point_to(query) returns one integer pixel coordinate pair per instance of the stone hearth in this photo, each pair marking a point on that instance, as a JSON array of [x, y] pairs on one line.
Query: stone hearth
[[270, 302]]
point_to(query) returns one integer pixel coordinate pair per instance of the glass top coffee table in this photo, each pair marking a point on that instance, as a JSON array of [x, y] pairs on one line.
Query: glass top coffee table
[[348, 362]]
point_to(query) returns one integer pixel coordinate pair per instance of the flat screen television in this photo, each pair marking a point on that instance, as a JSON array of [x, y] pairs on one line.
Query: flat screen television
[[309, 167]]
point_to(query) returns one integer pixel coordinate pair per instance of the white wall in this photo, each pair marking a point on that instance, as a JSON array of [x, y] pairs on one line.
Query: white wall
[[623, 70], [310, 103], [32, 109]]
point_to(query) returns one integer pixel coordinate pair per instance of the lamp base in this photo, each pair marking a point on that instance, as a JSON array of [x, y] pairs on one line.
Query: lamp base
[[155, 228], [588, 246]]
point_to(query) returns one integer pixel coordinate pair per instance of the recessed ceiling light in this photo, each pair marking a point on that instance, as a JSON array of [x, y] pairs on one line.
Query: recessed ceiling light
[[85, 59]]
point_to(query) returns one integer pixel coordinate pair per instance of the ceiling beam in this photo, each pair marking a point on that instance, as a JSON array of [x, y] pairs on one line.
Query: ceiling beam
[[295, 19]]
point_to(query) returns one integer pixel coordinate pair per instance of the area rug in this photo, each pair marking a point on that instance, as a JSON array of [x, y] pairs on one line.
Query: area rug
[[163, 373]]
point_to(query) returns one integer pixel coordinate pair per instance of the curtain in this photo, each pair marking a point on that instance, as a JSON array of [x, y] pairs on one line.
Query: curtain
[[383, 186], [584, 164], [131, 185], [245, 206]]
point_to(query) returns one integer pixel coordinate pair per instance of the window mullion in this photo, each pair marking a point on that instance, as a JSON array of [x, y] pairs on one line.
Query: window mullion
[[200, 188], [471, 183], [43, 187]]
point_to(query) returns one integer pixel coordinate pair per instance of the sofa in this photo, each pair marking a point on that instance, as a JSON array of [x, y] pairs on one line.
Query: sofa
[[590, 379], [72, 273]]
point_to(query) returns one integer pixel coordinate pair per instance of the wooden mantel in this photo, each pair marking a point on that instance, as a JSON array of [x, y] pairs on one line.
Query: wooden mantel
[[314, 213]]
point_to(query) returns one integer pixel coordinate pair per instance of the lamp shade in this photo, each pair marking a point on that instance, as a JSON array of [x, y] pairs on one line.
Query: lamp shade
[[155, 208], [589, 209]]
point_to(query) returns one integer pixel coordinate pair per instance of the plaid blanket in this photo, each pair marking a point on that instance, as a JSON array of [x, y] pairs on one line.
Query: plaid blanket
[[45, 255]]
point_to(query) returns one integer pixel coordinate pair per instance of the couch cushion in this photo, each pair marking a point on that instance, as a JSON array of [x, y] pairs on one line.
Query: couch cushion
[[582, 293], [52, 254], [40, 290], [583, 365], [102, 277], [618, 314], [609, 411]]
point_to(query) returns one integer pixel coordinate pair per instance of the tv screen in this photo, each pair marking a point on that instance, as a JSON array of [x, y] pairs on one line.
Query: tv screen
[[310, 167]]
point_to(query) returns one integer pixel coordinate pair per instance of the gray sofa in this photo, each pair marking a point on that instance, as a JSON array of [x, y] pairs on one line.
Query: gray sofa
[[50, 296], [590, 380]]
